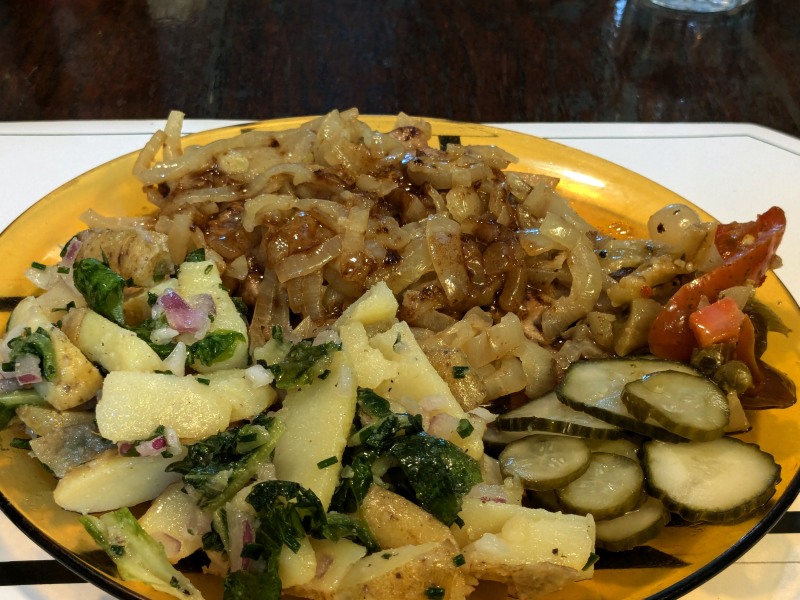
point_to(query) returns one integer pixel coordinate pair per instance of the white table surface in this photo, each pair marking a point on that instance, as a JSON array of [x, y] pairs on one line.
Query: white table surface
[[731, 170]]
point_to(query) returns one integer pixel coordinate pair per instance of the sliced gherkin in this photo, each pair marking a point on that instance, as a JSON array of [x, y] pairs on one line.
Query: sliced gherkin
[[687, 405], [548, 414], [634, 528], [545, 461], [611, 486], [596, 386], [718, 481]]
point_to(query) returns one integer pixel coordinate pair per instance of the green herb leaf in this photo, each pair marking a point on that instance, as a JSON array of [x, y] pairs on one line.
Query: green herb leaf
[[37, 343], [197, 255], [439, 473], [302, 363], [217, 468], [372, 404], [102, 288], [216, 347]]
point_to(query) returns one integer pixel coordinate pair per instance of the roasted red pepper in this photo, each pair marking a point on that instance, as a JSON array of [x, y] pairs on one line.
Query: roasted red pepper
[[747, 250]]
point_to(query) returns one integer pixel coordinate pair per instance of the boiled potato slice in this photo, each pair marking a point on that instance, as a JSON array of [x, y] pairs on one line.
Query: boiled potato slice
[[405, 572], [375, 309], [370, 366], [133, 405], [77, 380], [395, 521], [533, 551], [43, 420], [174, 520], [245, 397], [338, 557], [106, 343], [318, 417], [297, 568], [418, 380], [111, 481], [203, 278]]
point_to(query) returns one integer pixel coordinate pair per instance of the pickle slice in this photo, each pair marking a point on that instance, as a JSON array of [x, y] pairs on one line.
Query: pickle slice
[[544, 461], [633, 528], [549, 414], [718, 481], [688, 405], [610, 487], [595, 387]]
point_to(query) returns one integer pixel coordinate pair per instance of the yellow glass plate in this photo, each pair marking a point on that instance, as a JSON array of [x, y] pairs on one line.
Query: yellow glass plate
[[609, 196]]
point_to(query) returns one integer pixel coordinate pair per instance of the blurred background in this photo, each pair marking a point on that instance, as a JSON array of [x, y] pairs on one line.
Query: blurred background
[[489, 61]]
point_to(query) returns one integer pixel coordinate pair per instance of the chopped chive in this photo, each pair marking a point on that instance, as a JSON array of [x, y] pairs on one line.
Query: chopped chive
[[208, 269], [464, 428], [7, 366], [203, 380], [387, 555], [198, 255], [20, 444], [460, 372], [324, 374], [39, 266], [167, 372], [593, 558], [323, 464], [459, 560], [63, 269], [435, 592]]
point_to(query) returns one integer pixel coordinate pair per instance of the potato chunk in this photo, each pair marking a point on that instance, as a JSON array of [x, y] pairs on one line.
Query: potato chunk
[[106, 343], [111, 481], [395, 521], [533, 551], [405, 572]]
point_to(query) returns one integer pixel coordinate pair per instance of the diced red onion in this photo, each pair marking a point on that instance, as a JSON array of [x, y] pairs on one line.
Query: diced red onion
[[151, 447], [324, 562], [486, 415], [247, 538], [443, 425], [163, 335], [176, 360], [70, 252], [183, 317], [27, 370], [172, 546], [258, 376], [9, 385], [494, 499]]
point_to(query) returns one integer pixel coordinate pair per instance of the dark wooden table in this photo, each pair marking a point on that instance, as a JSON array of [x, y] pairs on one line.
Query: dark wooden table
[[501, 60]]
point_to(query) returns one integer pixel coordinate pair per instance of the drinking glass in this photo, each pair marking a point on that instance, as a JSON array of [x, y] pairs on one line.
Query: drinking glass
[[705, 6]]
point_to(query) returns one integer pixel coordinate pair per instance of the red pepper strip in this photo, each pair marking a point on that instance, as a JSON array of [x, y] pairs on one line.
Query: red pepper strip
[[747, 250], [717, 322]]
